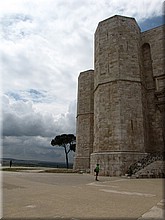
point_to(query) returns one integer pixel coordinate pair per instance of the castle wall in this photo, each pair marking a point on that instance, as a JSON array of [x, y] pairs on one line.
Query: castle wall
[[118, 115], [153, 60], [84, 132], [120, 106]]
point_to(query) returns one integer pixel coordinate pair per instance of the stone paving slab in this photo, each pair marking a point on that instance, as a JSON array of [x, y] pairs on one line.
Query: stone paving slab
[[78, 196]]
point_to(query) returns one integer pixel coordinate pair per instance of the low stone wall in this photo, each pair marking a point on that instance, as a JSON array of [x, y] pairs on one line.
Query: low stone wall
[[114, 163], [153, 170]]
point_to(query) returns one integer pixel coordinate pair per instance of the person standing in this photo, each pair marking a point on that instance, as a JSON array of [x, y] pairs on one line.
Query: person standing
[[96, 170], [11, 163]]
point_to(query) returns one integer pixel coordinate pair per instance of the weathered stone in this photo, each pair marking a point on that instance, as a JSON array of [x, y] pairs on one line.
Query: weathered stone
[[118, 119]]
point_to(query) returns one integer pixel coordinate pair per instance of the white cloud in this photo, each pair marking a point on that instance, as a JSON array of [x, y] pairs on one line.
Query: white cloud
[[44, 45], [23, 118]]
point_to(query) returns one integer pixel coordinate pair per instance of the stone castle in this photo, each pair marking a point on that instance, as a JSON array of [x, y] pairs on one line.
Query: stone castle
[[120, 108]]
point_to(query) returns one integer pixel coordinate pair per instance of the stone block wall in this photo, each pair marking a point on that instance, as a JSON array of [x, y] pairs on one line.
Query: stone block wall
[[153, 60], [114, 163], [118, 119], [84, 132]]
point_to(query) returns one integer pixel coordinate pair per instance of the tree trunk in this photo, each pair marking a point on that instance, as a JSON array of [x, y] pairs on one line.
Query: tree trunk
[[66, 154]]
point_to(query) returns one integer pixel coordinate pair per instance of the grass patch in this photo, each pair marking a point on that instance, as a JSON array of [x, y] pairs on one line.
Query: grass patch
[[16, 169], [55, 170], [58, 170]]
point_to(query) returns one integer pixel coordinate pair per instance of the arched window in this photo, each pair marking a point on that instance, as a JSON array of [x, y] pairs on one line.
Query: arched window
[[147, 66]]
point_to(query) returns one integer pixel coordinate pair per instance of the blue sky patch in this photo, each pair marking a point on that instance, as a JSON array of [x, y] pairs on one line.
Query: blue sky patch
[[151, 23]]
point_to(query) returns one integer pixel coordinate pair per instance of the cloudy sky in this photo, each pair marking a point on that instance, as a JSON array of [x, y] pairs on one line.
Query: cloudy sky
[[44, 45]]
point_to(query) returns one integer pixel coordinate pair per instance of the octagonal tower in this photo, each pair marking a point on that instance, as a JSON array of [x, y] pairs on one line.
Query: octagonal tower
[[118, 111], [84, 129]]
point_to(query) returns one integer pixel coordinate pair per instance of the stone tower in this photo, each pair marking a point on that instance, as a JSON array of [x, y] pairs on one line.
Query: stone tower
[[118, 121], [85, 108]]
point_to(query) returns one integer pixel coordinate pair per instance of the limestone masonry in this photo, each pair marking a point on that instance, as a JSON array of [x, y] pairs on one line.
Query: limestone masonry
[[120, 109]]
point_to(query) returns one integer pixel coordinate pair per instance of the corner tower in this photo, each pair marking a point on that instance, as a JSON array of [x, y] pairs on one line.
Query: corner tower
[[118, 111], [84, 128]]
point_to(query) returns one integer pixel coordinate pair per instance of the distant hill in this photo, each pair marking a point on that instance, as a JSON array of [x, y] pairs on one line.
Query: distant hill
[[33, 163]]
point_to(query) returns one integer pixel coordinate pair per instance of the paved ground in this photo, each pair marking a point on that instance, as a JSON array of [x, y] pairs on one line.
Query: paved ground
[[78, 196]]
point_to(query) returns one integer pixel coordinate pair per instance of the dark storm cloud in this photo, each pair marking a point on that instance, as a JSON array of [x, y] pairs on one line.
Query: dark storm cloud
[[27, 134], [21, 119], [35, 148]]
